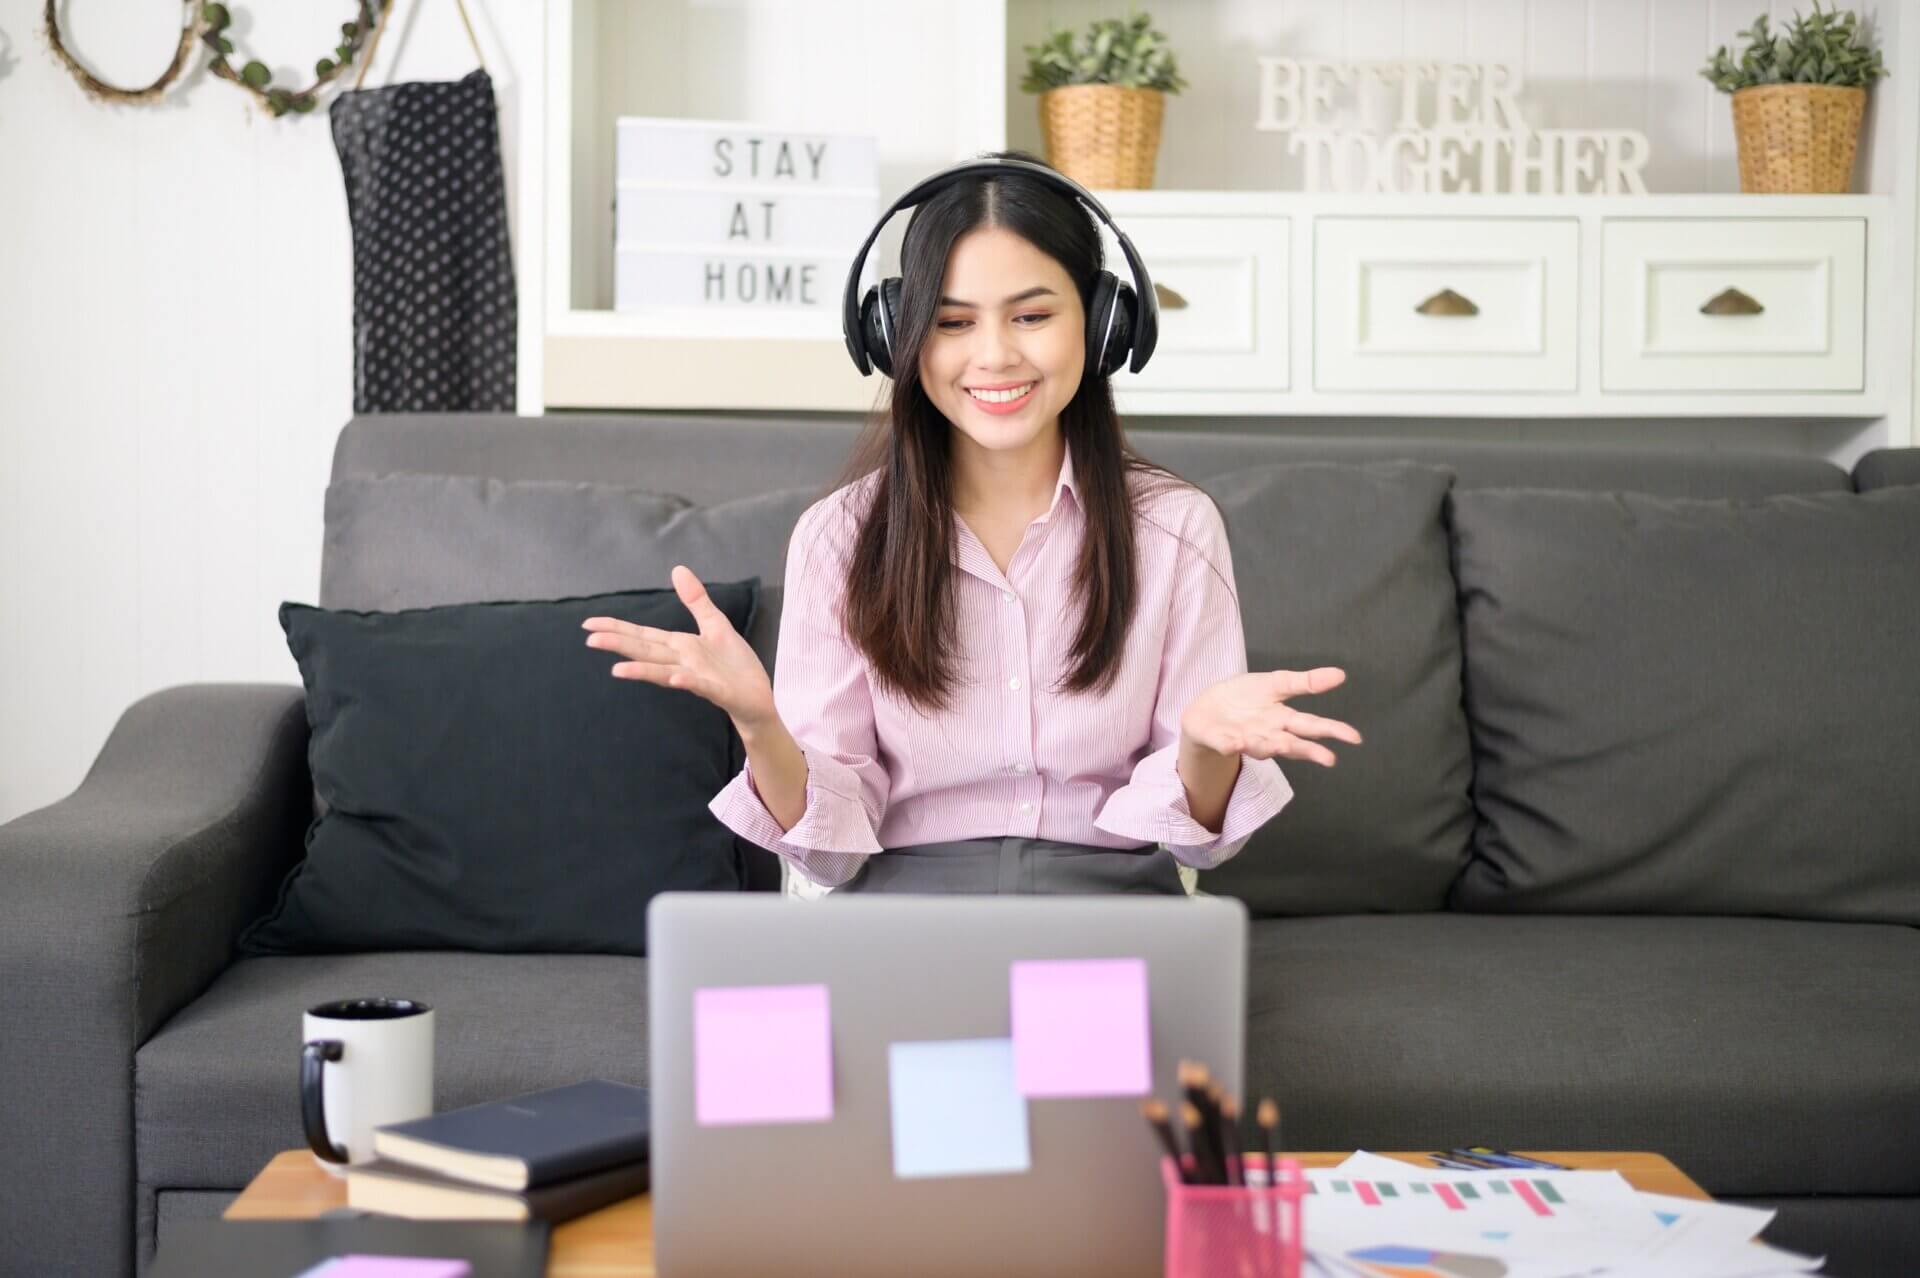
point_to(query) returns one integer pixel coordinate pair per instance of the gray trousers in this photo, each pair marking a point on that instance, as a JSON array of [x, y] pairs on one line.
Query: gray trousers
[[1018, 865]]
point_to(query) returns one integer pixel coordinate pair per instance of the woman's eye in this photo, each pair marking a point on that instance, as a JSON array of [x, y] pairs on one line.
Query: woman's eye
[[946, 324]]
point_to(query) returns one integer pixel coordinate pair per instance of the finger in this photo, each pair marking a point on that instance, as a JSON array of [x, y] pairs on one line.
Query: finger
[[613, 625], [694, 595], [1313, 725], [1296, 748], [637, 648], [1294, 683], [652, 672]]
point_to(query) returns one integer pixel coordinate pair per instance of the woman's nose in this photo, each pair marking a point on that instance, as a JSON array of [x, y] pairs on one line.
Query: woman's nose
[[996, 346]]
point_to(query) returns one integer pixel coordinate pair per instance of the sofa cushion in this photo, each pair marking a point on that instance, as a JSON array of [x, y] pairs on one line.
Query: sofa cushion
[[491, 786], [1346, 565], [412, 541], [1692, 706], [216, 1091], [1763, 1056]]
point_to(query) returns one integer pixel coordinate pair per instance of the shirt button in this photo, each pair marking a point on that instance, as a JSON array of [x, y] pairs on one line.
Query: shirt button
[[1026, 807], [1007, 595], [1014, 683], [1021, 768]]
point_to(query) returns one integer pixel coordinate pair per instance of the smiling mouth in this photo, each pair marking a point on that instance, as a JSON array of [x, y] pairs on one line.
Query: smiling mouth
[[1002, 397]]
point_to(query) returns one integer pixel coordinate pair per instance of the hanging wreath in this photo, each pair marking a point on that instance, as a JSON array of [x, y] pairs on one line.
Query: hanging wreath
[[258, 80], [208, 23], [99, 89]]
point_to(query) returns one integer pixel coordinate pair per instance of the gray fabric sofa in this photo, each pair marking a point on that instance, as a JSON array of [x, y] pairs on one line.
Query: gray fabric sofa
[[148, 1075]]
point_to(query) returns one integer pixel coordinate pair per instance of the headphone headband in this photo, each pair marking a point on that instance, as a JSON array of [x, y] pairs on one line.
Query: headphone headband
[[1148, 325]]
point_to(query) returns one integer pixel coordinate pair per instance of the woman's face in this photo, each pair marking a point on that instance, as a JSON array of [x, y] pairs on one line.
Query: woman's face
[[1009, 316]]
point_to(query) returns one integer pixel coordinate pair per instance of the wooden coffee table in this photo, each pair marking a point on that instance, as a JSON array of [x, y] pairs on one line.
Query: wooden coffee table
[[617, 1241]]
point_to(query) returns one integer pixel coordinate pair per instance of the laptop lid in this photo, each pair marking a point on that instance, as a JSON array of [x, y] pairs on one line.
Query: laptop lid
[[822, 1196]]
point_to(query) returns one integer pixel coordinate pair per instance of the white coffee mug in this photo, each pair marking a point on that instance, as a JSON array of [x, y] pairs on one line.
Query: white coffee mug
[[364, 1063]]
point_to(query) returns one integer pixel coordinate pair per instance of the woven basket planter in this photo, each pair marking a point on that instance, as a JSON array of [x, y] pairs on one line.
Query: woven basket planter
[[1103, 135], [1797, 138]]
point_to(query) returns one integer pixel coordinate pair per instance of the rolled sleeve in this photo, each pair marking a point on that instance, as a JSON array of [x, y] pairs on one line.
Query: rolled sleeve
[[834, 836], [821, 692], [1205, 643], [1153, 806]]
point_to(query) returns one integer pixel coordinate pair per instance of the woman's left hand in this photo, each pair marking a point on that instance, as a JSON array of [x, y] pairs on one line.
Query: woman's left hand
[[1248, 714]]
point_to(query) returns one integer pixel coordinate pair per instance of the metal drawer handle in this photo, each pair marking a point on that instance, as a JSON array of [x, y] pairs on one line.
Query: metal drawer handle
[[1167, 299], [1731, 302], [1447, 302]]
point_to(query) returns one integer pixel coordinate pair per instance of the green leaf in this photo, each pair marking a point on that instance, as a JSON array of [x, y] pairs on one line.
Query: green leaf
[[349, 29], [323, 67], [216, 16], [226, 45], [256, 74]]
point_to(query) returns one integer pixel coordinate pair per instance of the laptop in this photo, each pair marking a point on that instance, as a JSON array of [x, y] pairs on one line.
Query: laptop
[[822, 1196]]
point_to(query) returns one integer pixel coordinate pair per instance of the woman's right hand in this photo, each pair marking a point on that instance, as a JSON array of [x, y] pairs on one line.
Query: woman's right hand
[[716, 663]]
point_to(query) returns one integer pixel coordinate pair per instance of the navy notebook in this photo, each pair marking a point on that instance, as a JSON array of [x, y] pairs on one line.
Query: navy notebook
[[527, 1141], [280, 1248]]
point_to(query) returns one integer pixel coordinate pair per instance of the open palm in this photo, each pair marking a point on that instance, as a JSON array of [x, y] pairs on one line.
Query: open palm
[[1248, 714], [715, 663]]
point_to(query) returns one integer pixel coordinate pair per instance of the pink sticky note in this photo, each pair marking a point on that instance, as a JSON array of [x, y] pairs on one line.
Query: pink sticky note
[[762, 1054], [1080, 1027], [366, 1266]]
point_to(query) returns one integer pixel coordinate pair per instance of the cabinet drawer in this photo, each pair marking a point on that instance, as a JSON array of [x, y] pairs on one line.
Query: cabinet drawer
[[1445, 304], [1222, 283], [1733, 304]]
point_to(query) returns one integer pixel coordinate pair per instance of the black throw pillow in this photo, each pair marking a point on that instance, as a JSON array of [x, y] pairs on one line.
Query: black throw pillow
[[489, 785]]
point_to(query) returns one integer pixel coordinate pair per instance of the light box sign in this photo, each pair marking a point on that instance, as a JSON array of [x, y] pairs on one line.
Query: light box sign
[[717, 214]]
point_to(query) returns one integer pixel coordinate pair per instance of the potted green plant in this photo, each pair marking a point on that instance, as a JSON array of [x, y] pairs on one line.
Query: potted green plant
[[1798, 98], [1102, 99]]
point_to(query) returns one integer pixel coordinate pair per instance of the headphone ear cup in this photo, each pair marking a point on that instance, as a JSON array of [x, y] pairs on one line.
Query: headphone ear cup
[[1112, 320], [875, 328], [1125, 324]]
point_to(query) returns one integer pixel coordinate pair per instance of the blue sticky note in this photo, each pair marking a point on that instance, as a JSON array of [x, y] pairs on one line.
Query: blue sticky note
[[956, 1111]]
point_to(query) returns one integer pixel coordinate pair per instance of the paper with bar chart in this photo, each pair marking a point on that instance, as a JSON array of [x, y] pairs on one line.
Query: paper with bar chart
[[1378, 1217]]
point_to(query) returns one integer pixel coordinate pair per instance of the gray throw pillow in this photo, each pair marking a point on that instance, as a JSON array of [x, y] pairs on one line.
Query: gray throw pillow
[[1345, 564], [414, 541], [1693, 705]]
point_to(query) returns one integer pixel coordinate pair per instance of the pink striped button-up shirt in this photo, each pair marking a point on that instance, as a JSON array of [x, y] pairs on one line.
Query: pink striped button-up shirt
[[1011, 756]]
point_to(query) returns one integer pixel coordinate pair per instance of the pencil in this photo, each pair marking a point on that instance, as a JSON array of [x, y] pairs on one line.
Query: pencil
[[1193, 1081], [1269, 1120], [1156, 1114], [1230, 1126], [1203, 1168]]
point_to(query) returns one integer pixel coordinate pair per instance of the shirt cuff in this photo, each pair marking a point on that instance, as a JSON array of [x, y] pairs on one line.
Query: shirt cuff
[[1153, 807], [833, 837]]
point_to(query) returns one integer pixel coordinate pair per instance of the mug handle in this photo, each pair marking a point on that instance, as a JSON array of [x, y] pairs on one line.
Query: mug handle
[[313, 1110]]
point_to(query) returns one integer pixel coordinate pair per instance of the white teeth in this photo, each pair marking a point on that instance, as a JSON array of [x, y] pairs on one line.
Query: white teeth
[[1001, 396]]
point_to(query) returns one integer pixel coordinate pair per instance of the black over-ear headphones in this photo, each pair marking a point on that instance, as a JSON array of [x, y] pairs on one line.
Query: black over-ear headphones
[[1120, 318]]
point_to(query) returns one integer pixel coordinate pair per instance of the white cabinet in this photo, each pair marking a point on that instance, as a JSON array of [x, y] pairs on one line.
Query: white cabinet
[[1445, 304], [1734, 304], [1223, 288]]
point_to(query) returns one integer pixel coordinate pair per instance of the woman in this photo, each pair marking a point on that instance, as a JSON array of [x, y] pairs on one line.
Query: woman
[[1010, 655]]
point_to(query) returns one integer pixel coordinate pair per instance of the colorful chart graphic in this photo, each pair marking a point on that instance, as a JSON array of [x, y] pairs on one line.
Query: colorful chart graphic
[[1420, 1262], [1538, 1194]]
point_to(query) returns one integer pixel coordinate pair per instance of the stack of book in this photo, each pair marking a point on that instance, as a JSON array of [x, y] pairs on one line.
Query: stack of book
[[549, 1155]]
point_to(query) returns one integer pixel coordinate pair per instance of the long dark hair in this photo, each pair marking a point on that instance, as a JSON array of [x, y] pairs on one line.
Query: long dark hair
[[899, 589]]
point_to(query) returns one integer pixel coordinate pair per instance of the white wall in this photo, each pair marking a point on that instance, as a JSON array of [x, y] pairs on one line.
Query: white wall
[[175, 356], [176, 292]]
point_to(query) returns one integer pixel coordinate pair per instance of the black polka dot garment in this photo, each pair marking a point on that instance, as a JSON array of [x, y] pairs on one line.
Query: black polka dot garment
[[433, 299]]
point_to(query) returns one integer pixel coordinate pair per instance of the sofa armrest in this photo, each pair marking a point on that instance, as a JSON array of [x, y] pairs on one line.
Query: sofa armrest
[[118, 906], [1886, 468]]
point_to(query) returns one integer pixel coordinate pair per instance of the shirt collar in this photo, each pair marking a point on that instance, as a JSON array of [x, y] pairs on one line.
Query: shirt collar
[[1064, 483]]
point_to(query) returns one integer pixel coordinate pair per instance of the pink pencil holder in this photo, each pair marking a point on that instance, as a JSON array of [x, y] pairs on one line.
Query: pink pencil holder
[[1231, 1230]]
